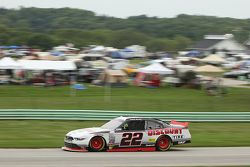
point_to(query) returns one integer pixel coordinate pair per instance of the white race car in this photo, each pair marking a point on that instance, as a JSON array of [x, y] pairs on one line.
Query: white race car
[[129, 134]]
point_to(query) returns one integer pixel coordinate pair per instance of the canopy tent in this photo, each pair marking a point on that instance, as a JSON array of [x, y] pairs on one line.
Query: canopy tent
[[245, 64], [155, 68], [195, 59], [47, 65], [127, 50], [180, 58], [9, 63], [56, 53], [49, 57], [118, 65], [61, 48], [99, 64], [123, 54], [193, 53], [116, 73], [214, 59], [15, 47], [3, 47], [208, 68], [184, 68], [130, 70], [98, 48], [111, 49], [114, 78], [243, 56]]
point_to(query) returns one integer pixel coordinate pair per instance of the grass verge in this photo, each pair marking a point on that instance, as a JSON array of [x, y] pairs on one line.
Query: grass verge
[[130, 99], [49, 134]]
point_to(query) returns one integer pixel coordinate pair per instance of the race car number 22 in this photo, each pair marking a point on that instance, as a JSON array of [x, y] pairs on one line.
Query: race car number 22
[[131, 139]]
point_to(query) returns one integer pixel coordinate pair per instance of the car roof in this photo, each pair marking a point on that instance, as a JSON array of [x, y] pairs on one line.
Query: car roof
[[138, 118]]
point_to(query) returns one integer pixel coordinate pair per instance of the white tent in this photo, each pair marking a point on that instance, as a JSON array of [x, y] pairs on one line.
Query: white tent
[[208, 68], [9, 63], [214, 59], [99, 64], [98, 48], [184, 68], [155, 68], [61, 48], [91, 55], [47, 65], [111, 49], [243, 56]]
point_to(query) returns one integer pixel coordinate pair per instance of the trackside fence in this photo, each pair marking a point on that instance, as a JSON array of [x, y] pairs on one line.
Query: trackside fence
[[41, 114]]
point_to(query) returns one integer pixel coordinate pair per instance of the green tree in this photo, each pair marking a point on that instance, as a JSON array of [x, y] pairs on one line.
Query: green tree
[[83, 27], [41, 41], [123, 38], [182, 42]]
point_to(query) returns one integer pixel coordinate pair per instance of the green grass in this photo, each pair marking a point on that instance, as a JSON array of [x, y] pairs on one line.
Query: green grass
[[220, 134], [45, 134], [37, 134], [130, 98]]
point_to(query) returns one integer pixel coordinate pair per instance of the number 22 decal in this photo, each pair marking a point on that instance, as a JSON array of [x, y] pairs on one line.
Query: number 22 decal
[[131, 139]]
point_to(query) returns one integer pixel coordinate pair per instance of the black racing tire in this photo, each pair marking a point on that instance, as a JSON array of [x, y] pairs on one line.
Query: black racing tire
[[97, 144], [163, 143]]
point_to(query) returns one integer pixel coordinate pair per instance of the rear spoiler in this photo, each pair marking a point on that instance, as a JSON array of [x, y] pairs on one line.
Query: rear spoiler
[[174, 122]]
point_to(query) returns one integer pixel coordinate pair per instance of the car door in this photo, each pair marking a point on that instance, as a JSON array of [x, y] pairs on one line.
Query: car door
[[151, 127], [131, 133]]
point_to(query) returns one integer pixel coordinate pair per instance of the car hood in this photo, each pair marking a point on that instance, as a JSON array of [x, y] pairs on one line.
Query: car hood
[[86, 131]]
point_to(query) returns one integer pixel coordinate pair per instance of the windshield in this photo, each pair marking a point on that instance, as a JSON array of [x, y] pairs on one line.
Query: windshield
[[113, 124]]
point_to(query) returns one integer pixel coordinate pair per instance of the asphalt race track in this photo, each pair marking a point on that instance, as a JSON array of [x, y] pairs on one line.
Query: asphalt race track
[[219, 156]]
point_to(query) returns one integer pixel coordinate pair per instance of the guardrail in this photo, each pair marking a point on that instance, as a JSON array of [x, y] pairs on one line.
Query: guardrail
[[41, 114]]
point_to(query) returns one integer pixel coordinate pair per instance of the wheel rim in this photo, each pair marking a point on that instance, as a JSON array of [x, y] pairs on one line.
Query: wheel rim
[[97, 143], [163, 143]]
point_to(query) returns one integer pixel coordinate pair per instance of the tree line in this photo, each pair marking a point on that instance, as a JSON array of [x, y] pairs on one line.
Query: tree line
[[44, 28]]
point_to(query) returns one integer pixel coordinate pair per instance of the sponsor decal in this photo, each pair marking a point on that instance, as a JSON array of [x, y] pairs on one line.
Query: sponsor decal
[[157, 132], [151, 140], [178, 136], [131, 139]]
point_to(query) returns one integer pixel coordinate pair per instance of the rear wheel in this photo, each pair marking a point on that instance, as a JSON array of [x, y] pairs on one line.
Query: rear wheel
[[97, 144], [163, 143]]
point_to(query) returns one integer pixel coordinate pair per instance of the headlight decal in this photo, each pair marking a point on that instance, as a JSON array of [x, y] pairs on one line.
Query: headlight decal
[[78, 138]]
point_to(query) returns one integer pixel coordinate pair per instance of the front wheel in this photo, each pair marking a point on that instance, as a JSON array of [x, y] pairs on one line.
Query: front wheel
[[96, 144], [163, 143]]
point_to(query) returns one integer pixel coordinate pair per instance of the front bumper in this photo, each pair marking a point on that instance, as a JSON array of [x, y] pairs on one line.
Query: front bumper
[[73, 147]]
